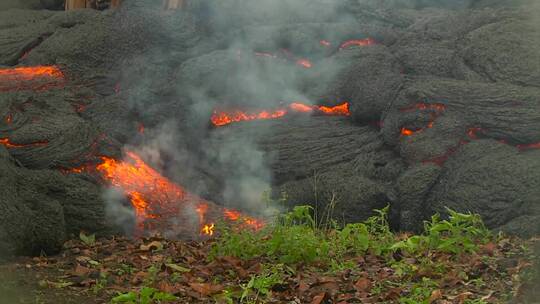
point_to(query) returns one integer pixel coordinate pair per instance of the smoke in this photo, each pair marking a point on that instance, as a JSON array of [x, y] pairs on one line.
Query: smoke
[[210, 53], [232, 54]]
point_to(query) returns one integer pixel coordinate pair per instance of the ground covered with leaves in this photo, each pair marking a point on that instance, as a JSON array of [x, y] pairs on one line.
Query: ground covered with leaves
[[292, 261]]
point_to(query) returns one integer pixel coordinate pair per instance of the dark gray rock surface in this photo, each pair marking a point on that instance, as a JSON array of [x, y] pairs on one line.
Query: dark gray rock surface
[[463, 79]]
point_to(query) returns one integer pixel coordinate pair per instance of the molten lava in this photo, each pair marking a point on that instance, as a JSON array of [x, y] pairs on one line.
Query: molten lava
[[8, 144], [225, 118], [30, 78], [435, 110], [222, 118], [156, 198], [357, 42]]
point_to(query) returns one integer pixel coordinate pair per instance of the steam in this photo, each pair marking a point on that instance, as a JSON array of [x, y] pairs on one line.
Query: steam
[[208, 54]]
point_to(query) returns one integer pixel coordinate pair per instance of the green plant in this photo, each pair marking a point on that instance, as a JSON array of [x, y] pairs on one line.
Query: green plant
[[145, 295], [261, 285], [460, 233], [88, 240], [420, 292]]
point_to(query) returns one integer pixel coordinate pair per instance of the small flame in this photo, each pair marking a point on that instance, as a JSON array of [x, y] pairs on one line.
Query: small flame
[[357, 42], [222, 118], [208, 229], [140, 128]]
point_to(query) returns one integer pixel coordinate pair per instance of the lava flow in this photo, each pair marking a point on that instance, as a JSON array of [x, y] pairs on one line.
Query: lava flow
[[357, 42], [436, 110], [157, 199], [30, 78], [8, 144], [222, 118]]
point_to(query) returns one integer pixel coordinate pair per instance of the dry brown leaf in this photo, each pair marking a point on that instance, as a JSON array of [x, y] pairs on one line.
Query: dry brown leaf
[[318, 298], [155, 245], [303, 287], [206, 289], [81, 270], [363, 285], [435, 295]]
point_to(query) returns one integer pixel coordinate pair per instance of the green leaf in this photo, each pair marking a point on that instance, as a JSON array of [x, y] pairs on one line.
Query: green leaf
[[88, 240], [129, 297]]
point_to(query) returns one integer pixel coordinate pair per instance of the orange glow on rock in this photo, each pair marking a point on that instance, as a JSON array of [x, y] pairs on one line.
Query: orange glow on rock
[[357, 42], [30, 78], [9, 119], [222, 118], [153, 196], [324, 42], [342, 109], [304, 63], [435, 110], [225, 118], [8, 144]]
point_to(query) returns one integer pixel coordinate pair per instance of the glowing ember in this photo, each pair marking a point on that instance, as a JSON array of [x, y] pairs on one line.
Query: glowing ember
[[30, 78], [8, 144], [140, 129], [222, 118], [357, 42], [155, 197]]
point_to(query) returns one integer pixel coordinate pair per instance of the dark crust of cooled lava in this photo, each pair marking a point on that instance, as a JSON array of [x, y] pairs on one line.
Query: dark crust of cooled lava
[[481, 63]]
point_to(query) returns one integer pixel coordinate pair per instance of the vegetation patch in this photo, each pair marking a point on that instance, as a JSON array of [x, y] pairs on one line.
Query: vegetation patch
[[455, 260]]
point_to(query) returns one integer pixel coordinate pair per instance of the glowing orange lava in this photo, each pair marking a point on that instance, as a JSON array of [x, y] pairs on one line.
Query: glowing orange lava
[[155, 197], [8, 144], [287, 56], [435, 110], [357, 42], [222, 118], [30, 78]]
